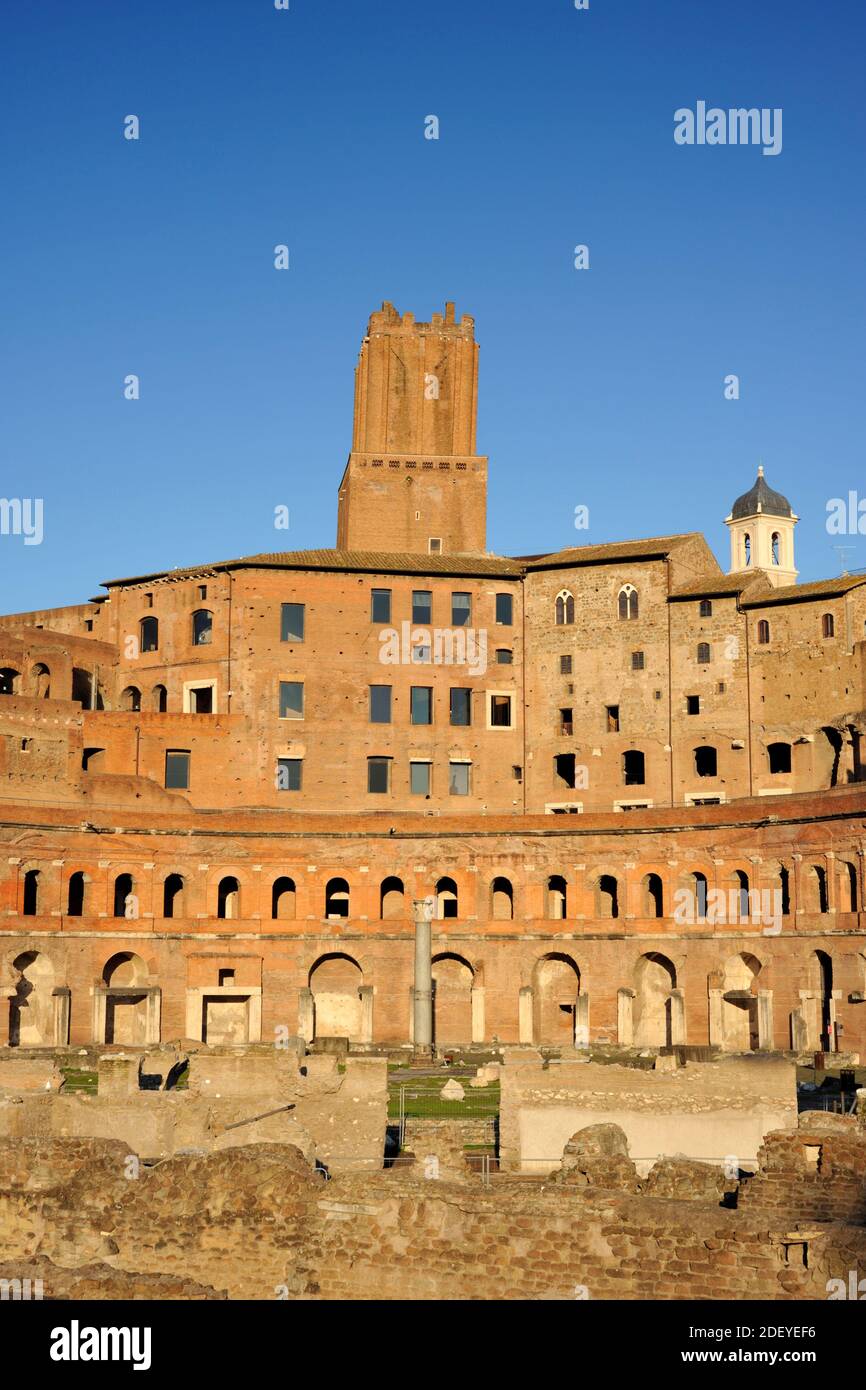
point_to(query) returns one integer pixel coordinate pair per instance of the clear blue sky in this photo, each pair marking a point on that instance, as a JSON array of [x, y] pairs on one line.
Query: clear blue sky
[[602, 387]]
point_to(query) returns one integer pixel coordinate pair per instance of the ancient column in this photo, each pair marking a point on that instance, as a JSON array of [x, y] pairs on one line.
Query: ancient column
[[423, 909]]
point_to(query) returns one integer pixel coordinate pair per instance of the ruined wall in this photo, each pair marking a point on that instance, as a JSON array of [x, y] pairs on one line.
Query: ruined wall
[[394, 1236]]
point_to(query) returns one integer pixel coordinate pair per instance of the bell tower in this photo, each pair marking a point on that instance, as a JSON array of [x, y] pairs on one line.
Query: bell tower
[[761, 525], [413, 482]]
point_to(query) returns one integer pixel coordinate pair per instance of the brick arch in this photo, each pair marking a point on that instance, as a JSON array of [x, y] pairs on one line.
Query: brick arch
[[453, 981]]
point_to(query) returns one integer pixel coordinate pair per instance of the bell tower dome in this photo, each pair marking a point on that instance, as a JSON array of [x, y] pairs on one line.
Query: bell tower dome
[[761, 526]]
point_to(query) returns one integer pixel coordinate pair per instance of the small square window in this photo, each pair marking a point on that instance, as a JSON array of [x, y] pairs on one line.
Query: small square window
[[289, 774], [380, 606], [291, 699], [148, 600], [292, 616], [177, 769], [721, 687]]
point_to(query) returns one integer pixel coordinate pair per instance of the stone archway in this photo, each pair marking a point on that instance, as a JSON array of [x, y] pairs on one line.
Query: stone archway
[[654, 1021], [126, 982], [555, 991], [452, 999], [336, 982], [739, 1004], [32, 1013]]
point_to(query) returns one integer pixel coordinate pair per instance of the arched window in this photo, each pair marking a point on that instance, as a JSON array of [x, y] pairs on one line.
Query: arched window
[[41, 681], [828, 626], [816, 888], [779, 757], [31, 893], [607, 896], [699, 888], [202, 627], [775, 547], [564, 608], [747, 548], [446, 898], [148, 634], [9, 679], [391, 898], [283, 899], [504, 656], [744, 907], [557, 898], [653, 896], [848, 895], [172, 896], [763, 632], [228, 898], [703, 653], [337, 898], [75, 895], [501, 900], [124, 896], [706, 763], [633, 768], [131, 698], [159, 699], [628, 604]]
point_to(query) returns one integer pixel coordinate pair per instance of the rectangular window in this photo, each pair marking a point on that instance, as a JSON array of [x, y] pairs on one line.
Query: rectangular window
[[291, 699], [500, 712], [693, 704], [434, 545], [505, 609], [378, 770], [289, 773], [461, 705], [461, 610], [380, 606], [458, 779], [706, 608], [566, 721], [565, 769], [292, 622], [201, 699], [202, 591], [380, 704], [421, 704], [177, 769], [422, 605], [612, 714], [637, 661], [565, 665], [419, 779]]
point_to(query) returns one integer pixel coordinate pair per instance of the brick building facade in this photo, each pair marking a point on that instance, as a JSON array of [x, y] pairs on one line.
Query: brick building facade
[[630, 779]]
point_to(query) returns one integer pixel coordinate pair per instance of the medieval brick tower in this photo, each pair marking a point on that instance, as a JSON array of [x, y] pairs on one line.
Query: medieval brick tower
[[413, 479]]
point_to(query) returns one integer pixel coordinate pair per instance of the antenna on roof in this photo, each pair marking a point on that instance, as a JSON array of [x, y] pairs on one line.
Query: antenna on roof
[[840, 551]]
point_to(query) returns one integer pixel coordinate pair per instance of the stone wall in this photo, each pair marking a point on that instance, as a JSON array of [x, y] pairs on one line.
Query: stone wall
[[712, 1111]]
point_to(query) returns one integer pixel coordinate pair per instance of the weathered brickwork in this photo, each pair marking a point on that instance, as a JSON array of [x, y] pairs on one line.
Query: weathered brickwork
[[221, 787]]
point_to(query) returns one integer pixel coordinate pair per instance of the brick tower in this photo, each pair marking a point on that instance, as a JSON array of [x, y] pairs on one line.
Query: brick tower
[[413, 482]]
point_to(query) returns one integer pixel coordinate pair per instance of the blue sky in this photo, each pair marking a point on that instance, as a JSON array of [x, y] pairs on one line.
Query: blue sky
[[602, 388]]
